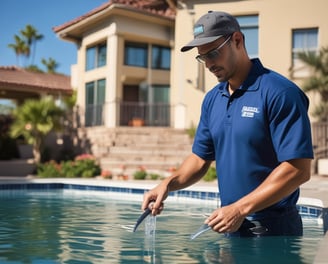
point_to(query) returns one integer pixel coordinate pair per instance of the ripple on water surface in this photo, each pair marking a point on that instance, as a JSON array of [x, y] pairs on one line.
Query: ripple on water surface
[[64, 227]]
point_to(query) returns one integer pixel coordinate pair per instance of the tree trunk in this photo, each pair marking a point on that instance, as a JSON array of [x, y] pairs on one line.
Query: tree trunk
[[37, 150]]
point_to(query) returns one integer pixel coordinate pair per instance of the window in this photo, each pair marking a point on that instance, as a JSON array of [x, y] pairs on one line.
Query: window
[[94, 102], [249, 25], [161, 58], [159, 114], [96, 56], [157, 107], [161, 93], [136, 54], [303, 40]]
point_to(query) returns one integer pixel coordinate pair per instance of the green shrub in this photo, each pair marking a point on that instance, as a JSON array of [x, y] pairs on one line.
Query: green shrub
[[140, 174], [154, 176], [210, 174], [69, 170], [84, 166], [191, 131], [49, 170], [87, 168]]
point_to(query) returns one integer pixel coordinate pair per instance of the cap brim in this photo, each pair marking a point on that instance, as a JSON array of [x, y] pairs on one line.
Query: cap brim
[[198, 42]]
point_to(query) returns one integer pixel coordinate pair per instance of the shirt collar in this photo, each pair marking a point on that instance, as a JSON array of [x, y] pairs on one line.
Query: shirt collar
[[251, 83]]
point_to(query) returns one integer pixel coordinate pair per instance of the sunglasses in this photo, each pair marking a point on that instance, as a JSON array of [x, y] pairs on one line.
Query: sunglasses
[[213, 54]]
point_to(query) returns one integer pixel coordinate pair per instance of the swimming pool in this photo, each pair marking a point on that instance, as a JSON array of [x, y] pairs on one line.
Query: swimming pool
[[65, 225]]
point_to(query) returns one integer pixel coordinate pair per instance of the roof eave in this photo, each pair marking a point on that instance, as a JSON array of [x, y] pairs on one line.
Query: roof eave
[[66, 31]]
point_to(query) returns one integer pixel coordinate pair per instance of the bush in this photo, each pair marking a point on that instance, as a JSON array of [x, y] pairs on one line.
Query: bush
[[48, 170], [88, 168], [154, 176], [84, 166], [210, 174], [140, 174], [69, 169], [191, 131]]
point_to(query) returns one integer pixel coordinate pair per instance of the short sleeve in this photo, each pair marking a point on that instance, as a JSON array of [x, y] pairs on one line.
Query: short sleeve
[[289, 124], [203, 142]]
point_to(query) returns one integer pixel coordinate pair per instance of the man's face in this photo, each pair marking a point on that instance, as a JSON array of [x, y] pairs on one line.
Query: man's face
[[216, 57]]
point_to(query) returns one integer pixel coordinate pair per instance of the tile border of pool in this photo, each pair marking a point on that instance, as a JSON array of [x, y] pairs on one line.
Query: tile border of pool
[[309, 207]]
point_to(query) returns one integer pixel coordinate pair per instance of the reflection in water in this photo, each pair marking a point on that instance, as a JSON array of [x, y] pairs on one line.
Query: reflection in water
[[257, 250], [71, 227], [150, 238]]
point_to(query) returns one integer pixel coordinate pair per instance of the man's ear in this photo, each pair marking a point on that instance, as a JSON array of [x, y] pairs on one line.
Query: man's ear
[[238, 39]]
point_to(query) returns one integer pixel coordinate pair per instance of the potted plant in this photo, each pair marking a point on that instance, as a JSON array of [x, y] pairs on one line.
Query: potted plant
[[137, 122]]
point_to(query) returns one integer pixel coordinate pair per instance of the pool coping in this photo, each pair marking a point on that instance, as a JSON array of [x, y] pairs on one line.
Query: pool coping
[[311, 193]]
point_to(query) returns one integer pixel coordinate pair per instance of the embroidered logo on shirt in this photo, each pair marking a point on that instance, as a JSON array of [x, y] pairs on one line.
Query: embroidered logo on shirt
[[249, 111]]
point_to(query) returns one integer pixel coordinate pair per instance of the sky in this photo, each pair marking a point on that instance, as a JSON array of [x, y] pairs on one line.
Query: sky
[[43, 15]]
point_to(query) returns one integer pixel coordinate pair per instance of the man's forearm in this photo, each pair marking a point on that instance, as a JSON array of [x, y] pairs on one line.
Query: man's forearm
[[191, 171]]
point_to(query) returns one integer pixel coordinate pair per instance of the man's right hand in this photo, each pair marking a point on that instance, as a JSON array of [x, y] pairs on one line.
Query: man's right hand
[[154, 198]]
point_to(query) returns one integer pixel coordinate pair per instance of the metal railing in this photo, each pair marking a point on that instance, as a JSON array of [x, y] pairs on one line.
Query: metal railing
[[320, 139], [151, 114]]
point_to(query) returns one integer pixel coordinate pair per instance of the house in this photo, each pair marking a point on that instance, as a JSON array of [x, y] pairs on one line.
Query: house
[[123, 62], [130, 68]]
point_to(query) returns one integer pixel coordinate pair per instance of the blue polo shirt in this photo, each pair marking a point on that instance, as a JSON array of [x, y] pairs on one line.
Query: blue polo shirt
[[250, 132]]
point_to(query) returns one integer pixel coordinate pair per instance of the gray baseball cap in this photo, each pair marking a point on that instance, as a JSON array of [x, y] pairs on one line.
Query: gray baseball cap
[[211, 27]]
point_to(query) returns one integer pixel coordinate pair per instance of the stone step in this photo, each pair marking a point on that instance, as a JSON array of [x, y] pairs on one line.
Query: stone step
[[159, 131], [128, 158], [17, 167], [154, 148], [135, 139], [114, 165], [151, 150]]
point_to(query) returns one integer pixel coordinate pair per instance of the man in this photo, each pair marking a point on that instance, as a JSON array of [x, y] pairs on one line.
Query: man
[[254, 124]]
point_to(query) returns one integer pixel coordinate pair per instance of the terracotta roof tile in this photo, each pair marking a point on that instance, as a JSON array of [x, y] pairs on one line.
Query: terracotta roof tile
[[158, 7], [11, 77]]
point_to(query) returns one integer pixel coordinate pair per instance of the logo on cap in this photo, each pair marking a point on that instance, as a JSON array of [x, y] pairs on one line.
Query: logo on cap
[[198, 29]]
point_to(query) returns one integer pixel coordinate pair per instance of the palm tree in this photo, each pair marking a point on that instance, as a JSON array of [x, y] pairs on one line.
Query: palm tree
[[31, 35], [318, 81], [34, 68], [20, 48], [50, 64], [34, 120]]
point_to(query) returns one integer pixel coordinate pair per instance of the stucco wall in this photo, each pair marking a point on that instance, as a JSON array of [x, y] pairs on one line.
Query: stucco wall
[[276, 20]]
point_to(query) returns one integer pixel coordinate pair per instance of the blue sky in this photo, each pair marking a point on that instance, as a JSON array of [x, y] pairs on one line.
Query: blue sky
[[42, 15]]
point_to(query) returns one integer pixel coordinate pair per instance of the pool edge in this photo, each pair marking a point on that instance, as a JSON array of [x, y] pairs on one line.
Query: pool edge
[[321, 255]]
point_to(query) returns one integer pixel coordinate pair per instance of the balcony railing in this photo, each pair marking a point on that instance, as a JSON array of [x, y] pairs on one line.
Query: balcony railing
[[151, 114], [320, 139]]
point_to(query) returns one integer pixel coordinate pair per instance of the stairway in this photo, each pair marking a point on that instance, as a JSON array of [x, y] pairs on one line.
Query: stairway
[[154, 148]]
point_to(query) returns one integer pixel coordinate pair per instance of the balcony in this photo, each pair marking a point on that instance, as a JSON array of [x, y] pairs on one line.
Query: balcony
[[146, 114]]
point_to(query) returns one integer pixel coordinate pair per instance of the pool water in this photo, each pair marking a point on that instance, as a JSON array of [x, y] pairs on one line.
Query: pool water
[[63, 226]]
